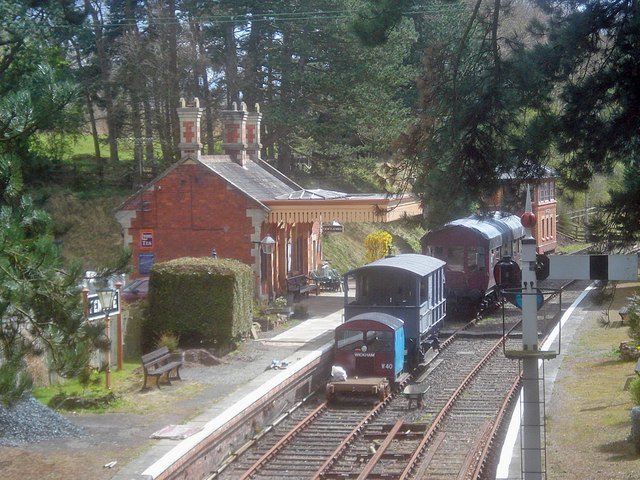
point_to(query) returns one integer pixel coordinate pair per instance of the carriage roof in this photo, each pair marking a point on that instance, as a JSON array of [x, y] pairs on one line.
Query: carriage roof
[[497, 228], [417, 264], [369, 318]]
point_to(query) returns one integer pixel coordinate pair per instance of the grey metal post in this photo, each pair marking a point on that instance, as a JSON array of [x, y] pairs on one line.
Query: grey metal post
[[532, 459]]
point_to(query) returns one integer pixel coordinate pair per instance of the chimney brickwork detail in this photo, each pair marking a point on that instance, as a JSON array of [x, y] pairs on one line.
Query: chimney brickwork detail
[[189, 117]]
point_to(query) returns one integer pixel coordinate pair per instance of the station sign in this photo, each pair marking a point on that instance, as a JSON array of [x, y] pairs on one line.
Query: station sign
[[334, 227], [146, 240]]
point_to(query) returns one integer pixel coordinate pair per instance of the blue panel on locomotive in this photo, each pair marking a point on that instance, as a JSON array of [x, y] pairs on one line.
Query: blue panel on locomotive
[[371, 344]]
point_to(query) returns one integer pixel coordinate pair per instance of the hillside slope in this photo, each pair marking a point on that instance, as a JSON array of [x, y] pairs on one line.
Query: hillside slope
[[345, 251]]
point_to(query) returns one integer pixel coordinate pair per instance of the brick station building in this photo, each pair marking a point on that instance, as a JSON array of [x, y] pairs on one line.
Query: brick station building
[[543, 203], [235, 205]]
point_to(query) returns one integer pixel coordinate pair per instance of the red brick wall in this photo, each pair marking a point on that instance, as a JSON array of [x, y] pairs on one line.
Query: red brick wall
[[250, 132], [232, 133], [190, 212]]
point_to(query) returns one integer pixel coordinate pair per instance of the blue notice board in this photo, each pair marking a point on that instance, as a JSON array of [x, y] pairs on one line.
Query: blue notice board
[[145, 262]]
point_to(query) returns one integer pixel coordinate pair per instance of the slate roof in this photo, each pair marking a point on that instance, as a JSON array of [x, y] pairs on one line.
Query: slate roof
[[257, 179]]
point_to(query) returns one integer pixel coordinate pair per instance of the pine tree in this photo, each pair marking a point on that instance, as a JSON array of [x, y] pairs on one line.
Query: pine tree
[[41, 311]]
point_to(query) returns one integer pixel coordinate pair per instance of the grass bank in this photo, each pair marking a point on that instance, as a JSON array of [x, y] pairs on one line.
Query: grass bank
[[345, 251], [588, 422]]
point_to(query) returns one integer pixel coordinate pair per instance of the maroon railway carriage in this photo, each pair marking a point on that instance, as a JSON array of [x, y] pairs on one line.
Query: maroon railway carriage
[[471, 247]]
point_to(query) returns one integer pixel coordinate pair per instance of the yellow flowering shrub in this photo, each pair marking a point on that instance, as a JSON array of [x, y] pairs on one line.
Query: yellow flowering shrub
[[377, 245]]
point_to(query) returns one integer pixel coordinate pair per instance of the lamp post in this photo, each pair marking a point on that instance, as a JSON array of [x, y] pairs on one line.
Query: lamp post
[[105, 295], [267, 246]]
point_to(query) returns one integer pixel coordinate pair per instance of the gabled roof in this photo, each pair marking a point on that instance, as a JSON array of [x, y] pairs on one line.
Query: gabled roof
[[258, 180]]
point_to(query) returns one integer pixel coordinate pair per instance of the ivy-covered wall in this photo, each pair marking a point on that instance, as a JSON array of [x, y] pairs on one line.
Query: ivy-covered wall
[[201, 300]]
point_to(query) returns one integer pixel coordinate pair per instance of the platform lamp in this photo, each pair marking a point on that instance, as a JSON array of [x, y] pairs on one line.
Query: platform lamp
[[105, 295], [267, 244]]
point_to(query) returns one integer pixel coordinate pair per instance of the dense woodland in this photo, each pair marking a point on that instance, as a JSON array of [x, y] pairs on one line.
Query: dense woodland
[[438, 97]]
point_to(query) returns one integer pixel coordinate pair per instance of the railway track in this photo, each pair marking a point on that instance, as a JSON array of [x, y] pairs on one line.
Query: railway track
[[471, 385]]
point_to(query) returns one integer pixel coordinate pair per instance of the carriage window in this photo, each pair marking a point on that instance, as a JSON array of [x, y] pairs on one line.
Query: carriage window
[[423, 290], [349, 339], [475, 259], [362, 290], [455, 259]]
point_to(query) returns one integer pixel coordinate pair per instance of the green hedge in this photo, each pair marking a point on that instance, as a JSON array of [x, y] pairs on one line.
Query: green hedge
[[204, 301]]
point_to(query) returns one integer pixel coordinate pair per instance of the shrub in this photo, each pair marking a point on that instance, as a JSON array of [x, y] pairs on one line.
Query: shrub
[[378, 245], [168, 340], [201, 300], [602, 292], [280, 302], [634, 390], [634, 318]]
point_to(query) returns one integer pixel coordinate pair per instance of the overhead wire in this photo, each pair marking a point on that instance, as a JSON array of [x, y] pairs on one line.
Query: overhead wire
[[442, 7]]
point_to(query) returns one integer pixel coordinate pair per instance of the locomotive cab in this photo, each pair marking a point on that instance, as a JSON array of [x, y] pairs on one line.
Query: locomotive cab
[[370, 345]]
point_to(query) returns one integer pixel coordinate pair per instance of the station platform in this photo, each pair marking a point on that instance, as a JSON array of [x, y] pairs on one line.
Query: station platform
[[295, 347]]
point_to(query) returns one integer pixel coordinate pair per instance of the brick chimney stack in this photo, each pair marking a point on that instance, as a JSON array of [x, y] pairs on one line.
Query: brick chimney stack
[[253, 133], [189, 120], [234, 142]]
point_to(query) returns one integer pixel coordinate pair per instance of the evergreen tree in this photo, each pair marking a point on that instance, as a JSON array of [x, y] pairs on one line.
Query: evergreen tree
[[496, 99], [40, 302]]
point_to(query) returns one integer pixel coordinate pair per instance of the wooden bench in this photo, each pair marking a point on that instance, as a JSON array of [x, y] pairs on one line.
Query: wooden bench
[[159, 363], [301, 285]]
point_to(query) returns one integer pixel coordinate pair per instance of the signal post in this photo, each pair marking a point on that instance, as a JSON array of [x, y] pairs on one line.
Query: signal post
[[556, 267], [531, 426]]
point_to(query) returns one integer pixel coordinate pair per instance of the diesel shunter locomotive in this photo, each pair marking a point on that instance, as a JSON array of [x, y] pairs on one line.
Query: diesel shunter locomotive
[[391, 321]]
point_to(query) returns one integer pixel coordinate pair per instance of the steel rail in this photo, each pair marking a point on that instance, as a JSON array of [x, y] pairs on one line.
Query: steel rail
[[445, 410], [486, 451], [349, 438], [283, 441], [383, 448], [484, 455]]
